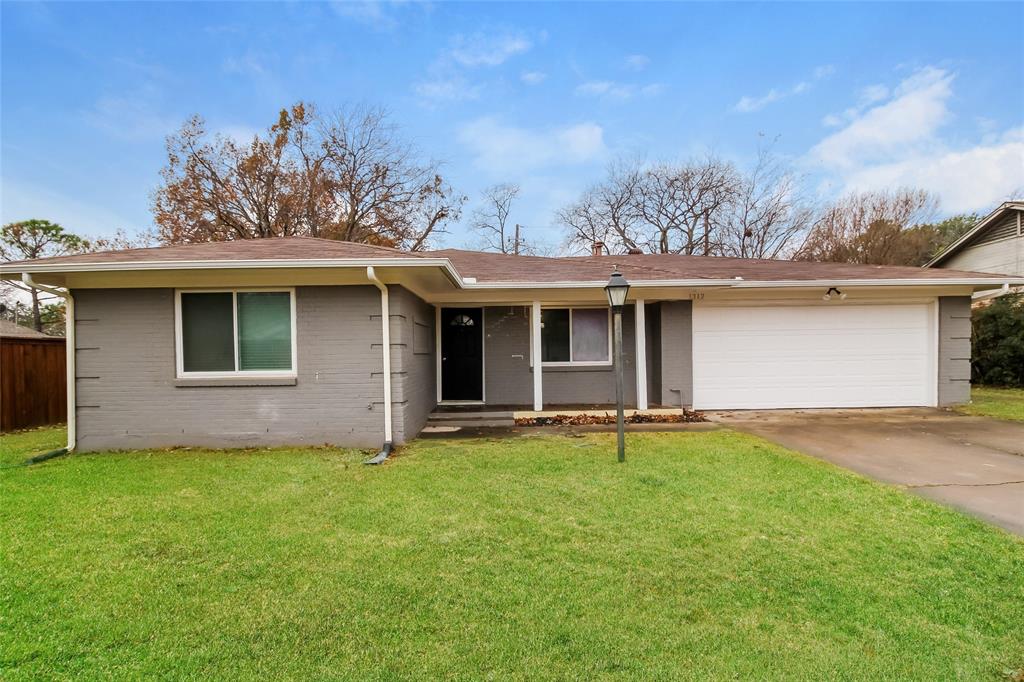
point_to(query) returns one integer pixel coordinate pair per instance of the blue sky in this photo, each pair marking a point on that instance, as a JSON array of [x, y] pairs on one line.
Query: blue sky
[[857, 96]]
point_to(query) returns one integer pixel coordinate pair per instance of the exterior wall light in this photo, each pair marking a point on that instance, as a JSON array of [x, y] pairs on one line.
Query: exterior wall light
[[833, 292]]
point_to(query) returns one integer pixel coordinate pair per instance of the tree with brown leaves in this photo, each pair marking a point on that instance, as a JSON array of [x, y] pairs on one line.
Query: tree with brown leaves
[[345, 176], [878, 228]]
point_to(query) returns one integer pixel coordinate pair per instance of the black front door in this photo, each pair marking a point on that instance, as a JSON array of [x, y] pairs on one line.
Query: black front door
[[462, 341]]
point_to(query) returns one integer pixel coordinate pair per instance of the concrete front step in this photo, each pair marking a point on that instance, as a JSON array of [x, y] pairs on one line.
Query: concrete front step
[[447, 417], [442, 423]]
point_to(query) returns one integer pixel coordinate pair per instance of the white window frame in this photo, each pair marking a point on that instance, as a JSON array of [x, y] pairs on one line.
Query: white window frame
[[578, 363], [236, 373]]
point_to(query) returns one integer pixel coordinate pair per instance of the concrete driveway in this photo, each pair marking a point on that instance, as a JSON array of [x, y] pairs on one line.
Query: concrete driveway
[[973, 463]]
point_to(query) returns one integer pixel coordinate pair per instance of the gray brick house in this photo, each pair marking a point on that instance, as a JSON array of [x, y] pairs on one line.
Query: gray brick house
[[297, 340]]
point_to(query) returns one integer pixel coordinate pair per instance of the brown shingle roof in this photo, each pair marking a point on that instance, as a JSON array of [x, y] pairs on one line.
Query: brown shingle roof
[[10, 330], [496, 267], [276, 248]]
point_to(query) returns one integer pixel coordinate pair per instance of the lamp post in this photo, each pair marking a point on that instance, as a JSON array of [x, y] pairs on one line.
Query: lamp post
[[617, 288]]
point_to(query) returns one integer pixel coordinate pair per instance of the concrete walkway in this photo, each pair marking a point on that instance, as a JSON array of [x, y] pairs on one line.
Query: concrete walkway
[[973, 463]]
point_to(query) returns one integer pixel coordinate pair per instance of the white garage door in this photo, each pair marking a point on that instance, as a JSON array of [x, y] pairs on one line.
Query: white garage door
[[813, 356]]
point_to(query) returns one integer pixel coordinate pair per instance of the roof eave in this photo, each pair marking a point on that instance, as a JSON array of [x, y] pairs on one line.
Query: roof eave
[[759, 284], [136, 266], [460, 282]]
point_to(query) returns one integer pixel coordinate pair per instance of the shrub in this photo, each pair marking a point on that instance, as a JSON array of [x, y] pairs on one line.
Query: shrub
[[997, 356]]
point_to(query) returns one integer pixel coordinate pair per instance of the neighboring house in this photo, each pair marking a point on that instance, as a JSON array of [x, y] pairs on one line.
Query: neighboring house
[[995, 244], [299, 340], [11, 330], [33, 380]]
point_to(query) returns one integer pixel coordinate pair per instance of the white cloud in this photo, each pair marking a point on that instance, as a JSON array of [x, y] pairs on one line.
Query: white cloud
[[898, 142], [373, 13], [502, 149], [637, 62], [750, 103], [482, 49], [22, 200], [248, 64], [533, 77], [869, 95], [873, 93], [824, 71], [911, 116], [599, 88], [972, 179], [454, 89], [446, 80], [831, 121], [132, 116], [615, 90]]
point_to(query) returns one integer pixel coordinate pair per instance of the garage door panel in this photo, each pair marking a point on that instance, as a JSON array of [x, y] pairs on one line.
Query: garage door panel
[[821, 356]]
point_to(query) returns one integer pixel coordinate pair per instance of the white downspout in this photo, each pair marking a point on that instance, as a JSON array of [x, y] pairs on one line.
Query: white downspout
[[385, 316], [69, 349]]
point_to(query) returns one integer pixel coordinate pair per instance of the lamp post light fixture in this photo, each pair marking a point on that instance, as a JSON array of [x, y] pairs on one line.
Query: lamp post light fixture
[[617, 289]]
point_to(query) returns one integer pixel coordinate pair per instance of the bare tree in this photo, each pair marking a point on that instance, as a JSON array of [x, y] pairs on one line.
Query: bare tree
[[607, 212], [345, 176], [665, 208], [768, 214], [871, 227], [491, 221], [681, 205]]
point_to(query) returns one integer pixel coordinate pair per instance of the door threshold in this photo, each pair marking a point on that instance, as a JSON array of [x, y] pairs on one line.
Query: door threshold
[[462, 402]]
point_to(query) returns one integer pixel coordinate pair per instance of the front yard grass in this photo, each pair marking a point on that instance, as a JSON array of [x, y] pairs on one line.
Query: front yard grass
[[706, 556], [1002, 403]]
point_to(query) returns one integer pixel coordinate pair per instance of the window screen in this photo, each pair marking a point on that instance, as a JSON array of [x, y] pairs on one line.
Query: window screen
[[207, 331], [590, 335], [264, 330], [554, 337]]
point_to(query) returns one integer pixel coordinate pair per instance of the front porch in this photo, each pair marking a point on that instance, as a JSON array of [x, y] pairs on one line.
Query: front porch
[[540, 359]]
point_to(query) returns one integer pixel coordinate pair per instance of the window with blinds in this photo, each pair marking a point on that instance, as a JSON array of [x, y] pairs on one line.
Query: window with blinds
[[236, 332]]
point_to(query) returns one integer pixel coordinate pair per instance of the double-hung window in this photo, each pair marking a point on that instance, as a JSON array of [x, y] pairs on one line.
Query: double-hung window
[[575, 336], [235, 332]]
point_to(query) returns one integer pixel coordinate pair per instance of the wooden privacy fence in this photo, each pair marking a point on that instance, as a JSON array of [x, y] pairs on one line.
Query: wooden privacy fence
[[33, 382]]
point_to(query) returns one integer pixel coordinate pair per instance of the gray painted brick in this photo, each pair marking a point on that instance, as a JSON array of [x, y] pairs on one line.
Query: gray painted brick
[[954, 350], [508, 377], [677, 353], [414, 385], [127, 397]]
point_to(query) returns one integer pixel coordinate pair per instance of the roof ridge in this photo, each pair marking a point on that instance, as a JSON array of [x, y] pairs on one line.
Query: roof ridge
[[379, 247]]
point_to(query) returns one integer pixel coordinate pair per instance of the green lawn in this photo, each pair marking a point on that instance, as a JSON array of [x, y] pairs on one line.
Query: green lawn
[[706, 556], [1004, 403]]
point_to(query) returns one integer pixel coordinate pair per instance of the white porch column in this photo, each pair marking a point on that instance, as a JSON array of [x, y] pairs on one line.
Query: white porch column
[[538, 389], [641, 355]]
